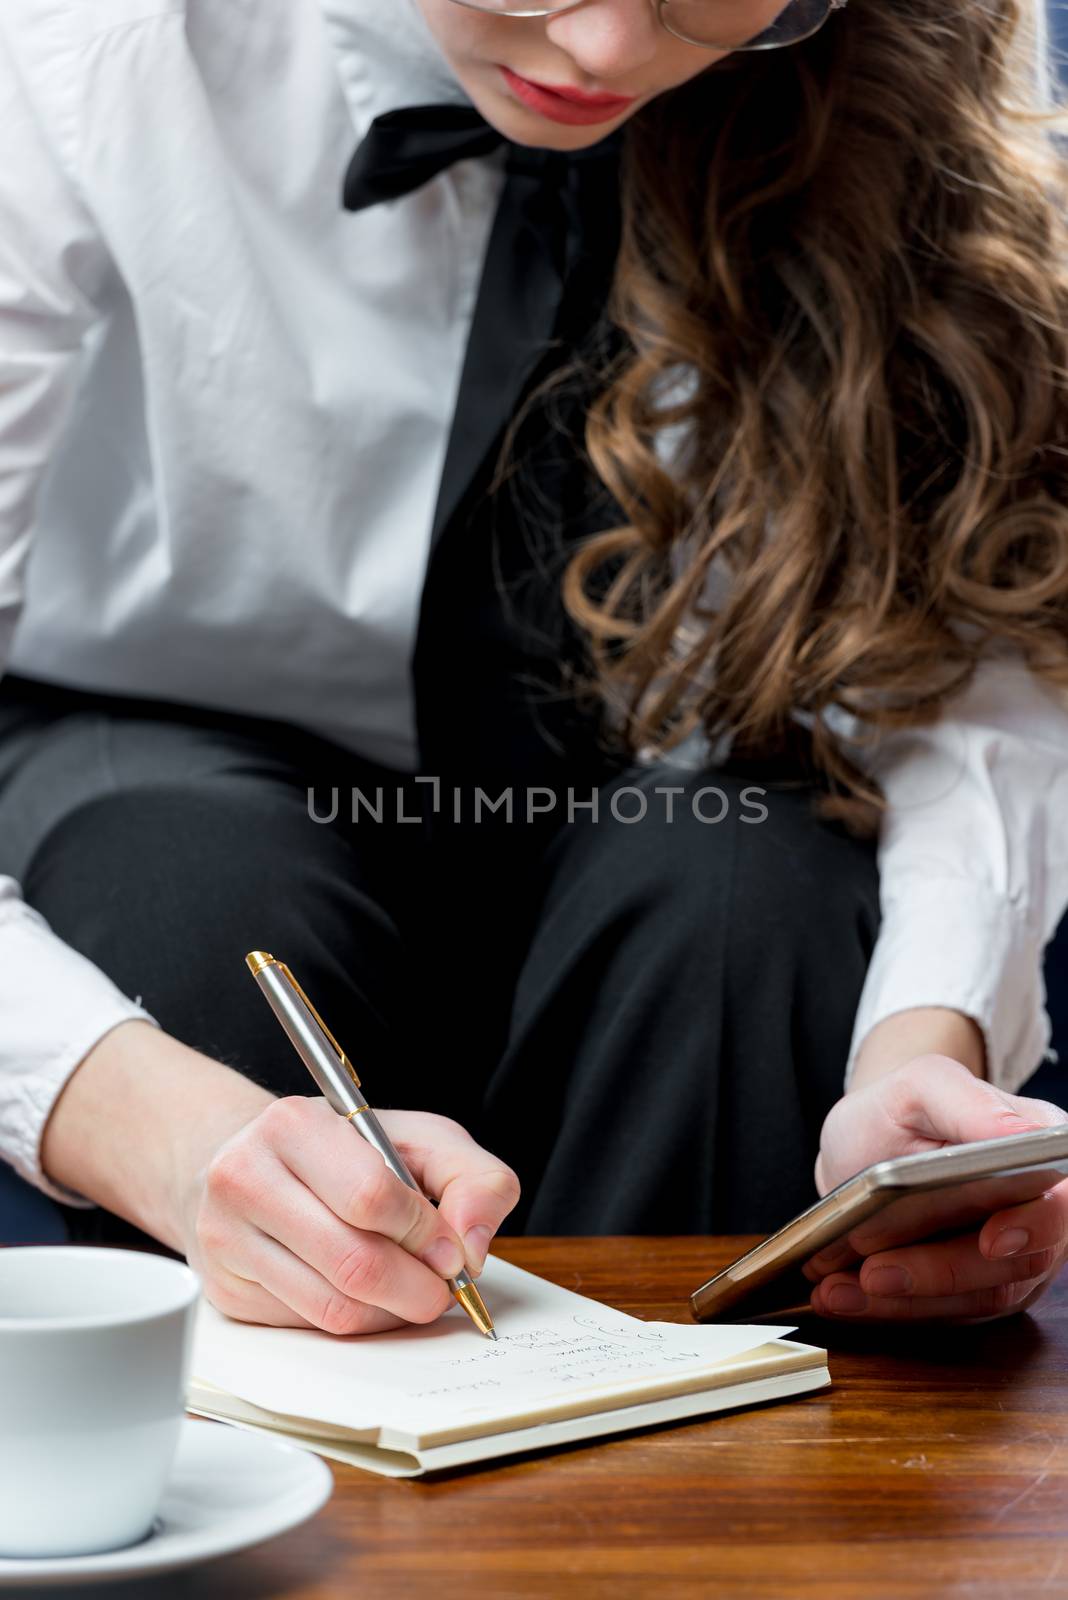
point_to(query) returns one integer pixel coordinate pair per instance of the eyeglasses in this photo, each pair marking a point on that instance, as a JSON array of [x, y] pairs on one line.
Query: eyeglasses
[[713, 24]]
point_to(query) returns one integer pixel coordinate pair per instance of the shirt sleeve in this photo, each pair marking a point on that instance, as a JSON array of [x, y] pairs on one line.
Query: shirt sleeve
[[54, 1004], [973, 861]]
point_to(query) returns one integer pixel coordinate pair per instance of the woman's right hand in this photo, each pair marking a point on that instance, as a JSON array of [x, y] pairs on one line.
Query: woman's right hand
[[296, 1223]]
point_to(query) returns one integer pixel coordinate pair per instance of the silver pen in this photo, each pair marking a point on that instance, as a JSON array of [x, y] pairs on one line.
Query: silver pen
[[336, 1077]]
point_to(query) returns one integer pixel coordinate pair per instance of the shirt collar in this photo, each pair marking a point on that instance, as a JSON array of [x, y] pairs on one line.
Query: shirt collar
[[387, 58]]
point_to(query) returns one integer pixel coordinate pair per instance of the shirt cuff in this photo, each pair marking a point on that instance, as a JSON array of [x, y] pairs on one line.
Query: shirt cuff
[[952, 942], [40, 1093], [56, 1006]]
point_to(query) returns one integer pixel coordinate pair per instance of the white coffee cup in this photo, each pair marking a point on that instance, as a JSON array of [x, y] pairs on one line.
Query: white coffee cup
[[94, 1360]]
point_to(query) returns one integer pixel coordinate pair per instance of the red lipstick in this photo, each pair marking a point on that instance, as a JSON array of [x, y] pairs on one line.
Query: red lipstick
[[562, 104]]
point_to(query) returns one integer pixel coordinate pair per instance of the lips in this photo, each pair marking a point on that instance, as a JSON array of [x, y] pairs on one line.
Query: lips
[[566, 105], [579, 97]]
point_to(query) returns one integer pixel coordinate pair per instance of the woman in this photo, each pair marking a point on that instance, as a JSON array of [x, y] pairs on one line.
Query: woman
[[824, 407]]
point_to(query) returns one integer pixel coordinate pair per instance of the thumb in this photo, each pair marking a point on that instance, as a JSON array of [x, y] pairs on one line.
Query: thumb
[[944, 1102], [475, 1191], [475, 1204]]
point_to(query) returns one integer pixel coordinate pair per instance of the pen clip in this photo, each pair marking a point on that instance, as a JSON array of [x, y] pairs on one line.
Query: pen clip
[[342, 1057]]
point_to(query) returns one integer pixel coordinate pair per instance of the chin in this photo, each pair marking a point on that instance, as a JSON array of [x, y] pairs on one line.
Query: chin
[[550, 138]]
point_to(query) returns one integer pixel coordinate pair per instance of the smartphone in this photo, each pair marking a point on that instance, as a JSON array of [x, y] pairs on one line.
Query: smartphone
[[968, 1182]]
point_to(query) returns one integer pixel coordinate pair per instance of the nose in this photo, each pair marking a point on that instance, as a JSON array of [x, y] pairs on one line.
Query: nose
[[608, 39]]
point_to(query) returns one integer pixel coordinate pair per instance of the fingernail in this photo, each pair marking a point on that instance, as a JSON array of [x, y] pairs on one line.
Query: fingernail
[[444, 1257], [476, 1244], [887, 1280], [1009, 1242], [845, 1297]]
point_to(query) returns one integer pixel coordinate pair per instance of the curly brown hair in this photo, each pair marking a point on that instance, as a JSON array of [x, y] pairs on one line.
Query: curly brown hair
[[843, 286]]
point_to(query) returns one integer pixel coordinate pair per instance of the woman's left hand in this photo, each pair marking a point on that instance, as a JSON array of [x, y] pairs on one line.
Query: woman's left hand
[[1008, 1255]]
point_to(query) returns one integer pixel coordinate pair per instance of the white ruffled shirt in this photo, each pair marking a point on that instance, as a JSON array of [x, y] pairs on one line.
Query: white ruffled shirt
[[217, 388]]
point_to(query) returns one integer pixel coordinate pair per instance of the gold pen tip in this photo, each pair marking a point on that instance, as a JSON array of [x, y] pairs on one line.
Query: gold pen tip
[[256, 960], [475, 1307]]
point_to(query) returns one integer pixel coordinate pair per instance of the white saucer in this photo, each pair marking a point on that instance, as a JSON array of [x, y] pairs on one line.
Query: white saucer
[[228, 1489]]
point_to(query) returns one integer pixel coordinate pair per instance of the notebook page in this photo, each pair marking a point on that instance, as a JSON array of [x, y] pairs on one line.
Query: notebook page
[[552, 1345]]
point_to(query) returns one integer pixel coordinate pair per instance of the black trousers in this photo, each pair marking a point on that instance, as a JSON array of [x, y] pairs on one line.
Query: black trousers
[[647, 1016]]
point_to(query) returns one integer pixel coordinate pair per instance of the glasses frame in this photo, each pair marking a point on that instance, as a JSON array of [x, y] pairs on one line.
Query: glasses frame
[[662, 9]]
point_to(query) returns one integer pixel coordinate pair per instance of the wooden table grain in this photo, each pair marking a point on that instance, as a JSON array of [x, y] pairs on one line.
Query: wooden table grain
[[936, 1464]]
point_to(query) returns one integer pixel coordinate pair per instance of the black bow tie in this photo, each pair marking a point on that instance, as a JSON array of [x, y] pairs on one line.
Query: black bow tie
[[548, 260], [405, 149]]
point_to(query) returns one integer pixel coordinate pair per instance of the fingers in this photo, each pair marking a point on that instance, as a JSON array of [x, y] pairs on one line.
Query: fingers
[[254, 1196], [947, 1269], [301, 1223], [1040, 1224], [997, 1243], [963, 1208], [475, 1190], [957, 1108], [840, 1255], [248, 1302], [350, 1178], [943, 1268], [282, 1290], [974, 1276], [352, 1269], [362, 1269], [841, 1295]]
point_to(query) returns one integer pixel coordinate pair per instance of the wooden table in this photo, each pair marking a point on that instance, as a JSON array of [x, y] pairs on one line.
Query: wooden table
[[937, 1464]]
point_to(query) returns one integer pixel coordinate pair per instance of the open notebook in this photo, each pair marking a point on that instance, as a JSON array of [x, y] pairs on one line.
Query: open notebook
[[418, 1399]]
